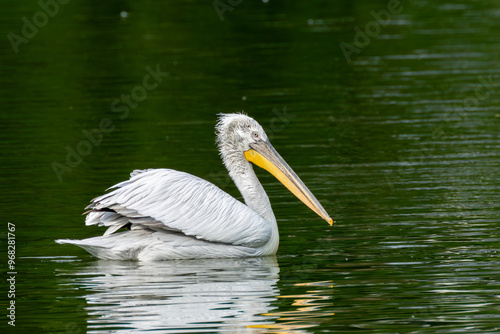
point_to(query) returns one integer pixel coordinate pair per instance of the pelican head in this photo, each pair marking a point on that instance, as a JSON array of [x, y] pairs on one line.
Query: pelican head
[[242, 140]]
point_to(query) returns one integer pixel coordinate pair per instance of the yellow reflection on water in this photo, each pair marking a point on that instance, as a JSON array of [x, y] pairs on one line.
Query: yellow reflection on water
[[312, 310]]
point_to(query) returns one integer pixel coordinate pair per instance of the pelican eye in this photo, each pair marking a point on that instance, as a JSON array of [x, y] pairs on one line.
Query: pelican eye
[[255, 135]]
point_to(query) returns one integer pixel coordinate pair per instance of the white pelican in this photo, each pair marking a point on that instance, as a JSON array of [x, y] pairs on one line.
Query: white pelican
[[175, 215]]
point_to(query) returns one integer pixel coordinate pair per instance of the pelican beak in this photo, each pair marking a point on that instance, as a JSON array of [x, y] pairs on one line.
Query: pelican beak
[[264, 155]]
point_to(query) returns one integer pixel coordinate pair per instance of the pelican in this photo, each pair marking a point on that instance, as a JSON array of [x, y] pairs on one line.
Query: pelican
[[174, 215]]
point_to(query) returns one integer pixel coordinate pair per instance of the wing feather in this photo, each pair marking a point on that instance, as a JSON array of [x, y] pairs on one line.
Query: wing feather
[[165, 199]]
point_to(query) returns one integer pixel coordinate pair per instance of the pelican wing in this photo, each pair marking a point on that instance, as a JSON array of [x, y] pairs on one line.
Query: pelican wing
[[176, 202]]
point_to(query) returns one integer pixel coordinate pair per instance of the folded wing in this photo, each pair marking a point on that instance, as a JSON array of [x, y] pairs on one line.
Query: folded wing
[[178, 203]]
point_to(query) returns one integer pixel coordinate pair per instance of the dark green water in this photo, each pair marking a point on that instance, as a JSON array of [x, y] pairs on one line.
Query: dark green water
[[399, 141]]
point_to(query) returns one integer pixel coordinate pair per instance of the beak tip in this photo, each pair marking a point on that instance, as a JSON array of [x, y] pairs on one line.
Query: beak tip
[[330, 221]]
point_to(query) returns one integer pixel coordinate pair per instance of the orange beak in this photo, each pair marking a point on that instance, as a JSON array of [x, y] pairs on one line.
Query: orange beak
[[265, 156]]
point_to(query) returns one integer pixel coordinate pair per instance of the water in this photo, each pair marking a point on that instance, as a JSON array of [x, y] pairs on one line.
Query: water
[[399, 141]]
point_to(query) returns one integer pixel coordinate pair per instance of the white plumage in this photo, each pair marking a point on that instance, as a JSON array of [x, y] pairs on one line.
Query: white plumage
[[171, 214]]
